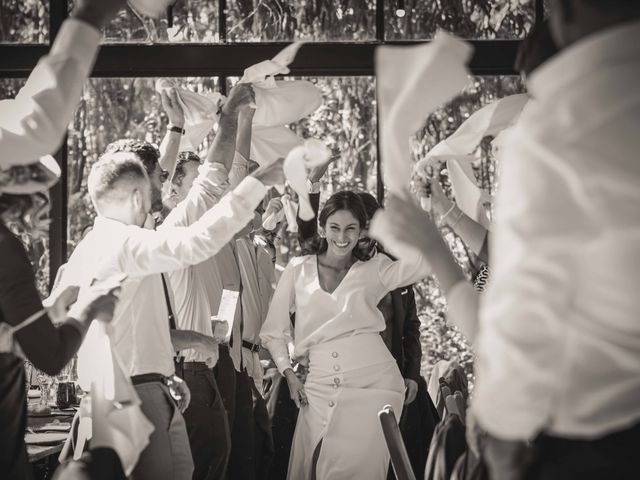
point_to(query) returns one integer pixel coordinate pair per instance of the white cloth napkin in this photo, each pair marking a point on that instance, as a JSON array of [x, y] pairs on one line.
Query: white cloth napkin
[[200, 113], [411, 82], [151, 8], [117, 421], [469, 197], [262, 73], [491, 119], [299, 160], [285, 102]]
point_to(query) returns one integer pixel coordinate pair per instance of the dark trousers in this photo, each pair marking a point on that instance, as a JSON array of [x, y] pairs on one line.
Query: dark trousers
[[207, 424], [613, 456], [168, 455], [248, 421], [284, 415]]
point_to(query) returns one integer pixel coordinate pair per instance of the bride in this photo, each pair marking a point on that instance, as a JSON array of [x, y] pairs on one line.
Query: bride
[[351, 375]]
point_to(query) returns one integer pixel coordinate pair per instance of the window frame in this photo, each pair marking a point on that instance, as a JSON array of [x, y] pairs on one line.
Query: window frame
[[491, 57]]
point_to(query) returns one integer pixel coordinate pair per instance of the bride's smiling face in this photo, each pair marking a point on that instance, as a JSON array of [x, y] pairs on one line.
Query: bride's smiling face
[[342, 232]]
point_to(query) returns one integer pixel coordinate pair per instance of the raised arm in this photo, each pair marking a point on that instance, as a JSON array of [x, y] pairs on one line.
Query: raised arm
[[170, 145], [33, 124], [171, 248], [473, 234]]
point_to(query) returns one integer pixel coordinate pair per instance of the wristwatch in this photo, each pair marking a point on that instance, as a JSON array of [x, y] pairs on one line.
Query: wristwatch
[[173, 128]]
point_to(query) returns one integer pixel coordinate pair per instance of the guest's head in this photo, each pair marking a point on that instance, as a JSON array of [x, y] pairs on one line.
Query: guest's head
[[572, 20], [184, 174], [341, 220], [120, 189], [148, 155]]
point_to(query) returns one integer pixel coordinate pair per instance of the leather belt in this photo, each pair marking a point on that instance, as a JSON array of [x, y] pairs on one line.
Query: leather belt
[[148, 378], [251, 346], [195, 366]]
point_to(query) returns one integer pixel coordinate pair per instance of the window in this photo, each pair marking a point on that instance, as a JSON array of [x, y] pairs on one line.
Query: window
[[212, 41], [24, 22], [319, 20]]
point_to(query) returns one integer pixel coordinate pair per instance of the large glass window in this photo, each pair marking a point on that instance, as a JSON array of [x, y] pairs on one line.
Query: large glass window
[[24, 21], [193, 21], [318, 20], [111, 109], [490, 19]]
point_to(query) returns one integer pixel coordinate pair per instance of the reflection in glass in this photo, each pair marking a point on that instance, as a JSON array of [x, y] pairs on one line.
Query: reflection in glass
[[37, 246], [318, 20], [194, 21], [490, 19], [111, 109], [24, 21]]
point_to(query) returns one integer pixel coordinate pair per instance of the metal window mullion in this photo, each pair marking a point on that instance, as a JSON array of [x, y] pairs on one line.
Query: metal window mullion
[[58, 13]]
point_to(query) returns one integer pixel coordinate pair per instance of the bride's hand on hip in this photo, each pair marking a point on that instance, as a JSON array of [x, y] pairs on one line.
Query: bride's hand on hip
[[296, 388]]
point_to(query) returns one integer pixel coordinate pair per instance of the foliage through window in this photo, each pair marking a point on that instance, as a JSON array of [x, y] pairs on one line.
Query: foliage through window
[[24, 21], [317, 20], [487, 19]]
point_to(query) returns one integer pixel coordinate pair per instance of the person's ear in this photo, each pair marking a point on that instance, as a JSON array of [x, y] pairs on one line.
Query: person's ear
[[137, 199], [321, 232]]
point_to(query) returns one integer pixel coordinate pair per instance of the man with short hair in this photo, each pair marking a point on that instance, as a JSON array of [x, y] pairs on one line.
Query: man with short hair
[[149, 156], [122, 194], [195, 188]]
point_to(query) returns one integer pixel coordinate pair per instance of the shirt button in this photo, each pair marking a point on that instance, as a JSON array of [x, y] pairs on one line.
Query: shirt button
[[336, 368], [332, 403], [334, 354], [335, 385]]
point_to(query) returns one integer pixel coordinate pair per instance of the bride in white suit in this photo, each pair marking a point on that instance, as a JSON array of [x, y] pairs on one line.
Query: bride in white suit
[[351, 375]]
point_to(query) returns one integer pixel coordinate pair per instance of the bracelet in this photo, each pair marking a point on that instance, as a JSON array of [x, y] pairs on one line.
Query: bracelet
[[173, 128], [453, 205]]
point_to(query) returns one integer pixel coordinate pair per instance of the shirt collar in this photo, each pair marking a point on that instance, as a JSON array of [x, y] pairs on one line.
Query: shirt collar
[[598, 51]]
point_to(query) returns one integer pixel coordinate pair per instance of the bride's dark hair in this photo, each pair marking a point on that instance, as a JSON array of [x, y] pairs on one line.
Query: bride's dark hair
[[345, 200]]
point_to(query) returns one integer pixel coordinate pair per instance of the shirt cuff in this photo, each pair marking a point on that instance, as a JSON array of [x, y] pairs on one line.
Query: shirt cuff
[[77, 39], [251, 190]]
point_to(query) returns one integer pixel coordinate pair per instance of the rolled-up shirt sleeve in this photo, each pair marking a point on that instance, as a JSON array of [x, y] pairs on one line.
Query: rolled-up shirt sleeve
[[276, 330], [207, 190], [33, 123], [170, 248]]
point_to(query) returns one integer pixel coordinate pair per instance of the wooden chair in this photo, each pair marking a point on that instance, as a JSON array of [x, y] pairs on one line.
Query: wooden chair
[[395, 444]]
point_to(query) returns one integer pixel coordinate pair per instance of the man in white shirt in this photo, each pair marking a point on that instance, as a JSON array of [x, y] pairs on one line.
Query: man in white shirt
[[206, 418], [559, 339], [33, 124], [121, 191]]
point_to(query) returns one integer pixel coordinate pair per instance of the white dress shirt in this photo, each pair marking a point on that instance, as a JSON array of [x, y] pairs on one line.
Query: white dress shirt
[[33, 123], [192, 310], [351, 309], [258, 276], [559, 340], [140, 328]]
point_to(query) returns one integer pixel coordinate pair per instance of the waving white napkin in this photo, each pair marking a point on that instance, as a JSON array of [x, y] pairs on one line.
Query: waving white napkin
[[411, 82], [262, 73], [491, 119], [151, 8], [117, 421], [299, 160], [285, 102], [200, 112]]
